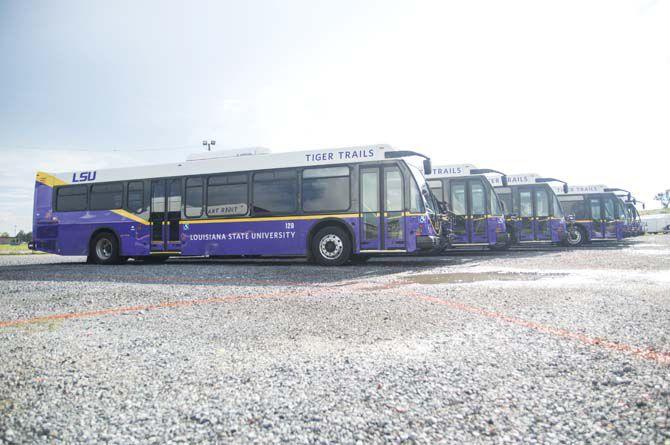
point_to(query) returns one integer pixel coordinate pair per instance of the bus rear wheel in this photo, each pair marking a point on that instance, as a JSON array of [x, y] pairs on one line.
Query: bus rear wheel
[[104, 249], [331, 246]]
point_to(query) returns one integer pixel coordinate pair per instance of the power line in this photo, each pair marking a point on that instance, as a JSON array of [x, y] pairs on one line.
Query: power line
[[93, 150]]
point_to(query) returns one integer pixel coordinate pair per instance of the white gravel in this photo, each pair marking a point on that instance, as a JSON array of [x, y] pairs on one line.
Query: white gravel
[[546, 346]]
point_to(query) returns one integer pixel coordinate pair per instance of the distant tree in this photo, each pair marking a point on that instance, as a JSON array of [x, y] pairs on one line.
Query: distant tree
[[4, 234], [664, 197], [24, 237]]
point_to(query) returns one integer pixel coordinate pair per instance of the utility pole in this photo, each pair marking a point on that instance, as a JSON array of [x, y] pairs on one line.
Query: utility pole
[[208, 144]]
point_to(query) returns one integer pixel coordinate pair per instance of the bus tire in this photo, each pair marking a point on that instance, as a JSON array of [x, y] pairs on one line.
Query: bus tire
[[104, 249], [576, 238], [331, 246]]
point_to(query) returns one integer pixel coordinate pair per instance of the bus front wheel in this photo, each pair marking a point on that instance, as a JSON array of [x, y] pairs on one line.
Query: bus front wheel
[[331, 246], [104, 249], [576, 237]]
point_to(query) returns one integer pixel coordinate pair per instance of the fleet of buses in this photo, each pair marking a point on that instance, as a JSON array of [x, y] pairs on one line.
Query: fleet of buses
[[333, 206]]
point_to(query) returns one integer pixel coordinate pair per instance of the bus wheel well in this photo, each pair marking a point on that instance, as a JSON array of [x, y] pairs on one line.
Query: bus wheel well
[[325, 223], [98, 232]]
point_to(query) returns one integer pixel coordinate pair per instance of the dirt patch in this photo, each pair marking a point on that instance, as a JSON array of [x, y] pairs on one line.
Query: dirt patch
[[473, 277]]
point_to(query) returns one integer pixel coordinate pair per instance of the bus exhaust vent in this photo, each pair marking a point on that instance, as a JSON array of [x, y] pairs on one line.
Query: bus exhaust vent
[[252, 151]]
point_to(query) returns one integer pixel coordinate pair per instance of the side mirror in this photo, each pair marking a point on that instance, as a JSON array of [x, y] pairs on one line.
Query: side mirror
[[427, 167], [565, 188], [503, 180]]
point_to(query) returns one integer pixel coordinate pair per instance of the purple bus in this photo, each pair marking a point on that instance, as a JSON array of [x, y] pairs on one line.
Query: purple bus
[[471, 205], [633, 223], [532, 210], [598, 214], [333, 206]]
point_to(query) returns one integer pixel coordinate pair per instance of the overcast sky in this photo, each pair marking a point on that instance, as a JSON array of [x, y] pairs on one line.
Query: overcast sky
[[574, 89]]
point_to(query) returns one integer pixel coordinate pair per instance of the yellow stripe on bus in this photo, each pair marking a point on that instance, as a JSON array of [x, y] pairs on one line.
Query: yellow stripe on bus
[[129, 215], [48, 179]]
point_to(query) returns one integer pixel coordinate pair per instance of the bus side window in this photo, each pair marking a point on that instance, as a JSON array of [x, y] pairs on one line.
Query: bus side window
[[478, 196], [393, 189], [541, 203], [227, 195], [136, 196], [436, 187], [594, 203], [106, 196], [574, 206], [275, 192], [525, 203], [609, 208], [71, 198], [326, 189], [458, 198], [194, 197], [506, 198]]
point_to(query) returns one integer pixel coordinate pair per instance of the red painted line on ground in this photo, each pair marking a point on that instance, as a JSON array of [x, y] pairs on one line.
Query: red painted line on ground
[[661, 357], [151, 280], [148, 307]]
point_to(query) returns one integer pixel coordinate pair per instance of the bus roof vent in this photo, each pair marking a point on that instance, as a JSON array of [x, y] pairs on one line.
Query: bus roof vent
[[251, 151]]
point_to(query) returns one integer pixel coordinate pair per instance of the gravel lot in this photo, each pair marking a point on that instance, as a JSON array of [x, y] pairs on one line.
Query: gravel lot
[[550, 346]]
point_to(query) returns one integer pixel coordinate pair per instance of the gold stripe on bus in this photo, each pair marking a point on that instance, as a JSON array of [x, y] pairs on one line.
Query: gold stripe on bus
[[129, 215], [48, 179], [269, 218]]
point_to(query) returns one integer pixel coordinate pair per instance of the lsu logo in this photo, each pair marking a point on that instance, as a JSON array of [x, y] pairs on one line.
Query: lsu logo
[[83, 176]]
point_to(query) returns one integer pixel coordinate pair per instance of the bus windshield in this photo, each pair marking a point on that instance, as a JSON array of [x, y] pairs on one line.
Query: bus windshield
[[496, 207], [558, 210], [428, 197]]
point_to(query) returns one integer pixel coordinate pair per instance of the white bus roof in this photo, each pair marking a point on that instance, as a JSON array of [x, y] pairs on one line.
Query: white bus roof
[[448, 171], [518, 179], [592, 188], [232, 161]]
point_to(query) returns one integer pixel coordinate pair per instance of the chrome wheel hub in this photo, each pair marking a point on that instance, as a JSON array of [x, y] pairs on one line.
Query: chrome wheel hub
[[103, 248], [331, 246]]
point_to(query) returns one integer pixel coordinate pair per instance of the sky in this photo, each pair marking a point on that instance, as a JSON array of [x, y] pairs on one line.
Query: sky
[[578, 90]]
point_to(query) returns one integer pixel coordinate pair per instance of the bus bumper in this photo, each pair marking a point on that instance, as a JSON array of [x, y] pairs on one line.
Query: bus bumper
[[427, 242]]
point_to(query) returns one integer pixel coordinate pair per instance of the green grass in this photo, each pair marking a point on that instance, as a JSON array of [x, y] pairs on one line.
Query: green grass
[[21, 249], [654, 211]]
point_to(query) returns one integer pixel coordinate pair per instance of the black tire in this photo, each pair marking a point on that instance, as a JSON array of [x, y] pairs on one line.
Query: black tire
[[576, 238], [331, 246], [104, 249], [359, 259]]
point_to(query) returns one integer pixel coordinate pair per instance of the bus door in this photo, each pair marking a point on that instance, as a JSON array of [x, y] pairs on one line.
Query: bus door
[[610, 216], [527, 232], [165, 215], [381, 217], [542, 226], [597, 226], [477, 209], [459, 208]]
